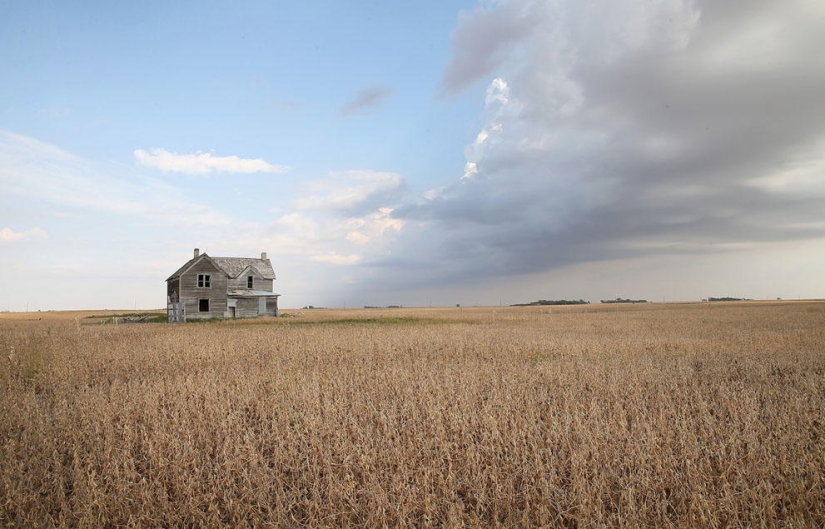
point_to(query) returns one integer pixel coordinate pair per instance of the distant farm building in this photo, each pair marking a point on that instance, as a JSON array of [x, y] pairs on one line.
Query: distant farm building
[[221, 287]]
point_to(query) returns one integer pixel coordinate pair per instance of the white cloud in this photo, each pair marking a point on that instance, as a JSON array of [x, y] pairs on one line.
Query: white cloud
[[357, 237], [383, 221], [470, 170], [202, 163], [374, 226], [497, 92], [327, 238], [34, 170], [335, 258], [498, 106], [295, 234], [356, 223], [350, 190], [432, 194], [34, 234], [298, 222]]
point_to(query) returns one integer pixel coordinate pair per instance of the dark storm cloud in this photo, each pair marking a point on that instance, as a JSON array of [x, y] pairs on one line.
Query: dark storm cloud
[[615, 131]]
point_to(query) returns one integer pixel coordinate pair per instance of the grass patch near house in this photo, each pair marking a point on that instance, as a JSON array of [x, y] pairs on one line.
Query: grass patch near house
[[126, 317]]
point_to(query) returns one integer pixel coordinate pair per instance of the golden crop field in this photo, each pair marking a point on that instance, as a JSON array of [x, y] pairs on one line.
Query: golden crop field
[[690, 415]]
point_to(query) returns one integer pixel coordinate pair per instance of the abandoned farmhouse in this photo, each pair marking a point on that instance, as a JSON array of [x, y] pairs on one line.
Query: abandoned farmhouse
[[221, 287]]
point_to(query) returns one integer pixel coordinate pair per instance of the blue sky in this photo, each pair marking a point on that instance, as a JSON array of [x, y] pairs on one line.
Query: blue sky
[[413, 153]]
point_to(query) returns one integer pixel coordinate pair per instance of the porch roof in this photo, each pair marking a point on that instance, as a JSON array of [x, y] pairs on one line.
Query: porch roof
[[251, 294]]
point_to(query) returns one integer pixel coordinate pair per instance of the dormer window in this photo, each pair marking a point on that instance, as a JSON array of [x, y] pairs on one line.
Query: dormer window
[[249, 282], [203, 281]]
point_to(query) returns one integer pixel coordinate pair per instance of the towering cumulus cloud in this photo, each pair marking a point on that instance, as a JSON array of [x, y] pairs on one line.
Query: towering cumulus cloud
[[631, 128]]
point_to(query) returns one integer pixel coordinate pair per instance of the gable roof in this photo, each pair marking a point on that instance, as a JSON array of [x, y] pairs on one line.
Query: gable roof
[[250, 270], [190, 263], [231, 266], [235, 266]]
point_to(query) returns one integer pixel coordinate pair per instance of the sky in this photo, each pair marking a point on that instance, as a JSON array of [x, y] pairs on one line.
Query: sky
[[413, 153]]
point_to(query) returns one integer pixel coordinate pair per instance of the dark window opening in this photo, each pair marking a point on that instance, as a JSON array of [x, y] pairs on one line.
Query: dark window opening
[[249, 282], [203, 305], [203, 280]]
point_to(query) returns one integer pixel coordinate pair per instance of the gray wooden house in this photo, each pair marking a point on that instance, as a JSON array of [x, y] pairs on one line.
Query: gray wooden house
[[221, 287]]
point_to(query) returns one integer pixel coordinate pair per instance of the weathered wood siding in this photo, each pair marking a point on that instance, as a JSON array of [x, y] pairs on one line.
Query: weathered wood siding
[[237, 284], [191, 293], [247, 308], [251, 307], [257, 283], [272, 306]]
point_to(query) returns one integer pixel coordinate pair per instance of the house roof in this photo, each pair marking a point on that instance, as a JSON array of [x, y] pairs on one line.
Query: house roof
[[232, 266], [191, 262]]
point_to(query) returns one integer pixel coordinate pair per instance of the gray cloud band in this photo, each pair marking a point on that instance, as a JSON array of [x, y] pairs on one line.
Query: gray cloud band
[[680, 128]]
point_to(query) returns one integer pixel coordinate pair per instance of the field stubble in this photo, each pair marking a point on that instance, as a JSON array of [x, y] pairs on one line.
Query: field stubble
[[662, 415]]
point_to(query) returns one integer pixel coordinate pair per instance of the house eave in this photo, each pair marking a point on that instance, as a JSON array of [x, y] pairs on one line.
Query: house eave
[[192, 262]]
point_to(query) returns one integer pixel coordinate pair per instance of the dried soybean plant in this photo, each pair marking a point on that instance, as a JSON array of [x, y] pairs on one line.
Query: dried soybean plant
[[685, 415]]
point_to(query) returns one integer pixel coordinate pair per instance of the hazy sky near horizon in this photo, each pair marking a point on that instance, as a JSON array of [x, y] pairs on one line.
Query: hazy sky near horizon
[[413, 152]]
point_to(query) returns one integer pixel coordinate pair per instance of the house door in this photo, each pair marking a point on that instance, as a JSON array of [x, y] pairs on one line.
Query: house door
[[232, 312], [261, 305]]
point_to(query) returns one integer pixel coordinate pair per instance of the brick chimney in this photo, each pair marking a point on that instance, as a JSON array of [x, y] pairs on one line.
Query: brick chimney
[[197, 252], [263, 256]]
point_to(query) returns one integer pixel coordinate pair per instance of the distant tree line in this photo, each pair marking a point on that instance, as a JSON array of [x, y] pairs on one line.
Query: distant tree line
[[728, 299], [552, 302], [621, 300]]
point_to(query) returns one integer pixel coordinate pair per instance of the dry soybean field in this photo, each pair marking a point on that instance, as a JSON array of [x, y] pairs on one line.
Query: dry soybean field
[[684, 415]]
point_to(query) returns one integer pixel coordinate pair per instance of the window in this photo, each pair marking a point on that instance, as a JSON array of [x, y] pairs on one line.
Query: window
[[203, 280], [249, 282], [203, 305]]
